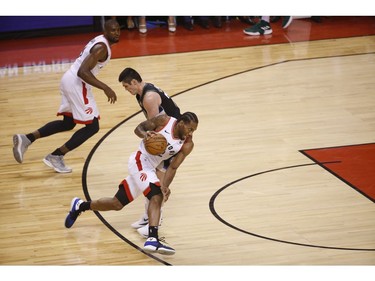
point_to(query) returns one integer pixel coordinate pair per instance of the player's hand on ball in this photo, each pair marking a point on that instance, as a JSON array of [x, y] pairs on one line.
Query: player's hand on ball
[[149, 134]]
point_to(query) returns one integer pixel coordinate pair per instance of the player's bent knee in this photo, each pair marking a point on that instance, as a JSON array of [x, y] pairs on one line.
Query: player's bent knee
[[68, 123], [69, 126], [122, 196], [158, 199], [154, 191], [93, 127]]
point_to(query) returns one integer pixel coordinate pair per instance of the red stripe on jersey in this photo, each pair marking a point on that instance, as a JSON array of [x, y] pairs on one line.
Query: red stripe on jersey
[[138, 161], [83, 122], [127, 190], [148, 189], [75, 120], [84, 93], [69, 114], [157, 183]]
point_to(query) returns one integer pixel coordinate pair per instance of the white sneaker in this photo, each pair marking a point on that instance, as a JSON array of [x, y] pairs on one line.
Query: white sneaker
[[57, 163], [143, 231], [141, 222], [20, 145]]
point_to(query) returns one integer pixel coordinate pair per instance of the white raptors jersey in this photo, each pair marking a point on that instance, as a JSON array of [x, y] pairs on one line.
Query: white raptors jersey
[[173, 147], [86, 51]]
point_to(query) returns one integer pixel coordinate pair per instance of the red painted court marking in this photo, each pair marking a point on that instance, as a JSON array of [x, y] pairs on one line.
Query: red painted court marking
[[356, 165]]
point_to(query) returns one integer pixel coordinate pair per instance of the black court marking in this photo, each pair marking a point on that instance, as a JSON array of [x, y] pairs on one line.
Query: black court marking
[[216, 215]]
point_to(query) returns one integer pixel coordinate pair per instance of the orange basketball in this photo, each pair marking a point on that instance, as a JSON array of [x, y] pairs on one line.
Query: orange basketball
[[156, 144]]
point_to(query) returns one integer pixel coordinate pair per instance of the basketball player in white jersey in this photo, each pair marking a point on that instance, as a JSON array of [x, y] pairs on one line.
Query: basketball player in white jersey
[[77, 101], [142, 176], [153, 101]]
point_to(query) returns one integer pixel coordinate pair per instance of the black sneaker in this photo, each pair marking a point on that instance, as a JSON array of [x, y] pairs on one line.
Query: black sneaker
[[261, 28]]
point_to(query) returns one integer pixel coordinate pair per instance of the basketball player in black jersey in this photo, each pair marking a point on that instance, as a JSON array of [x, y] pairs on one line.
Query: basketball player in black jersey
[[153, 101]]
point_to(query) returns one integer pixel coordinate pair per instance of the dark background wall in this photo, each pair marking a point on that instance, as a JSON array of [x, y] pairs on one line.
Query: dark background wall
[[34, 26]]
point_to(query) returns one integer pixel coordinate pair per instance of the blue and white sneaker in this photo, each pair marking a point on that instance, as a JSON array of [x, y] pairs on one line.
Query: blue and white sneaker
[[153, 245], [74, 212]]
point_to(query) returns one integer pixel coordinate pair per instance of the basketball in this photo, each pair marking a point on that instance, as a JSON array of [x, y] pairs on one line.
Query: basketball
[[156, 144]]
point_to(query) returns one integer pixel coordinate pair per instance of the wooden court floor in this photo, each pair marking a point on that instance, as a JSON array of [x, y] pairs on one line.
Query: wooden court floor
[[258, 107]]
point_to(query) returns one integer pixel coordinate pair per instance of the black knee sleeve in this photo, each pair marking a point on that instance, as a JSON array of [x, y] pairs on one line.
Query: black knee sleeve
[[121, 194], [93, 128], [68, 123], [154, 190], [57, 126], [83, 135]]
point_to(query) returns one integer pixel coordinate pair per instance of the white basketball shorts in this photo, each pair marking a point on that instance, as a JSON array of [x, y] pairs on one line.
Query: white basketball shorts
[[77, 99]]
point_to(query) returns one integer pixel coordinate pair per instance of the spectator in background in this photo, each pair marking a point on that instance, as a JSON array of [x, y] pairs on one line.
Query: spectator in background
[[143, 24], [216, 21], [203, 21], [130, 22], [263, 27]]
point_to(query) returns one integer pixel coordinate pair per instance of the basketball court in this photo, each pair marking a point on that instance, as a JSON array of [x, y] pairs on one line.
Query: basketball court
[[282, 172]]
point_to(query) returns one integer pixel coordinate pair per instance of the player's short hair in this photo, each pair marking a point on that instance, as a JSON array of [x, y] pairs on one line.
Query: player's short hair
[[188, 117], [108, 24], [128, 74]]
